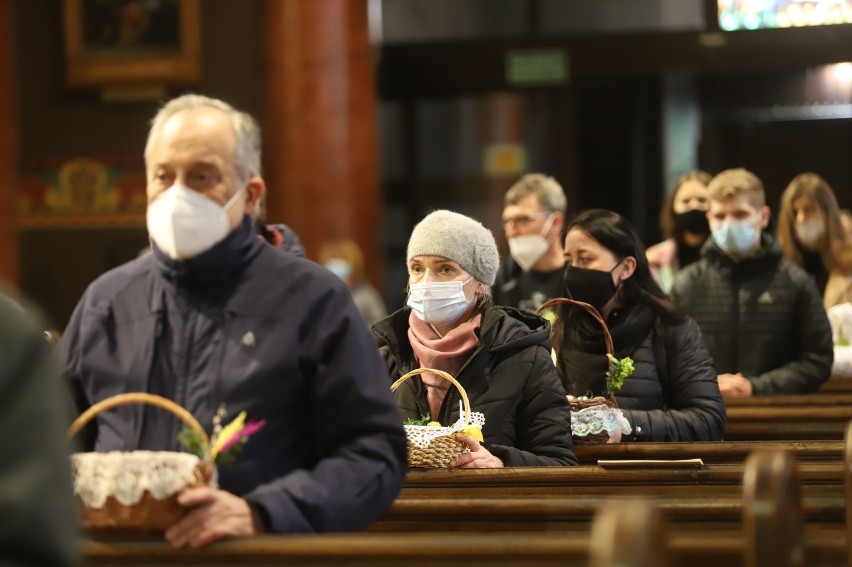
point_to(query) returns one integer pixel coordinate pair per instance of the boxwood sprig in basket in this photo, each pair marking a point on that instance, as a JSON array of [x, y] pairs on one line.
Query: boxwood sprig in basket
[[619, 368]]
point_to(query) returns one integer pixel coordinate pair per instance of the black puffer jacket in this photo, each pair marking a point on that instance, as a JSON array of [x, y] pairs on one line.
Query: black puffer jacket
[[510, 377], [673, 394], [762, 316]]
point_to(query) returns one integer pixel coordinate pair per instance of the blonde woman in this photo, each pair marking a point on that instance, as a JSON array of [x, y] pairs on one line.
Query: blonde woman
[[811, 233]]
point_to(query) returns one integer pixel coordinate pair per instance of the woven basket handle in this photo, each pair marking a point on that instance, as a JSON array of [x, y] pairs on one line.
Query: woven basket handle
[[590, 309], [136, 398], [443, 375]]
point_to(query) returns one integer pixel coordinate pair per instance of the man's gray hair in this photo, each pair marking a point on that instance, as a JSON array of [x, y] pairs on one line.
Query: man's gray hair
[[246, 130], [548, 191]]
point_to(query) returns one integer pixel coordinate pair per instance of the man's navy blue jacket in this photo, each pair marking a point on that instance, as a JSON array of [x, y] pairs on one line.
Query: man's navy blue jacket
[[261, 331]]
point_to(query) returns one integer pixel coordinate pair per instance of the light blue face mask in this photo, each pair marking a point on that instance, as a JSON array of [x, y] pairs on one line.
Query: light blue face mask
[[736, 237]]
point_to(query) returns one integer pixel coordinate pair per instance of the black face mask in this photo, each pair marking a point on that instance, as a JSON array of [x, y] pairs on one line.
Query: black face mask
[[694, 221], [595, 287]]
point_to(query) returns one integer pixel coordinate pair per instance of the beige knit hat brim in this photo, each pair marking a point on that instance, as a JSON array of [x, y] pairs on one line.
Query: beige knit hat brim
[[460, 239]]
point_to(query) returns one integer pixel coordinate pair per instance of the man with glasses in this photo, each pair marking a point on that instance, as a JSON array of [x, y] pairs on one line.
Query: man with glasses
[[533, 219]]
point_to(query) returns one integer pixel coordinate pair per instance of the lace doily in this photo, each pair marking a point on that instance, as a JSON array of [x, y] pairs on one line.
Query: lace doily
[[599, 419], [126, 476], [422, 435], [842, 365]]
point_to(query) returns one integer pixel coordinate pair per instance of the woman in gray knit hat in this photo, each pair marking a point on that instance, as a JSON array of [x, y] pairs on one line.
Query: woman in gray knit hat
[[500, 355]]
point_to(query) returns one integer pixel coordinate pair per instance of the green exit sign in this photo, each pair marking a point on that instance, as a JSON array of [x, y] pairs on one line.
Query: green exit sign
[[536, 66]]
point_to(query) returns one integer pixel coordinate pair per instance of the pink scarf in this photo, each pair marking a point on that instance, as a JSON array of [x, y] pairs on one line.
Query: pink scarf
[[448, 354]]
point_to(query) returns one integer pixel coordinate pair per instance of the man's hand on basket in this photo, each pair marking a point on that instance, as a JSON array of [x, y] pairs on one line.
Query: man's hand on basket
[[478, 458], [213, 515]]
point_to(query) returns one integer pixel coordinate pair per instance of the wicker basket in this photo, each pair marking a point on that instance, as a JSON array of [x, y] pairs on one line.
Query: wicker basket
[[597, 419], [435, 447], [135, 492]]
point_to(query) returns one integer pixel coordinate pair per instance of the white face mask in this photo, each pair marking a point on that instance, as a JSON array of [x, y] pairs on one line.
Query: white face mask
[[339, 267], [810, 232], [438, 303], [527, 249], [184, 223]]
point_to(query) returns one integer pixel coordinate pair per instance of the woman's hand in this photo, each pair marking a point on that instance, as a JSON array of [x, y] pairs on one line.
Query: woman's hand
[[478, 458]]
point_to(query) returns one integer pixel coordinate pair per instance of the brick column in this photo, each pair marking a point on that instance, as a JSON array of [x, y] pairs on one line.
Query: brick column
[[9, 240], [319, 122]]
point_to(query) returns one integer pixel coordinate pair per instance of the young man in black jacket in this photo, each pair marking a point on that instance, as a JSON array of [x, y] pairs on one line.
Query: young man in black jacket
[[761, 316]]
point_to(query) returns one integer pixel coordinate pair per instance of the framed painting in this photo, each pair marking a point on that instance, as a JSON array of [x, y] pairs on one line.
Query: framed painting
[[118, 42]]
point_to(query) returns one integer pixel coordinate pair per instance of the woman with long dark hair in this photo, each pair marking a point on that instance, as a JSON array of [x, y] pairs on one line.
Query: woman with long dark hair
[[683, 221], [673, 394]]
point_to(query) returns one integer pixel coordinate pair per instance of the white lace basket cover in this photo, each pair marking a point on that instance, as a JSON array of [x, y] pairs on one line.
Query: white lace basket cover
[[436, 447], [127, 475], [135, 491], [840, 317], [599, 419]]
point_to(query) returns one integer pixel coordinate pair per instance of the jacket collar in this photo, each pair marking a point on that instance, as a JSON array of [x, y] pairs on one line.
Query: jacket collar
[[503, 329], [221, 263], [768, 255]]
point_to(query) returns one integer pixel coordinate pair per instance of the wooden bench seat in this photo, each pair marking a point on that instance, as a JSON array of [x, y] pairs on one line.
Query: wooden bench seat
[[491, 549], [787, 423], [593, 479], [709, 451], [815, 399], [841, 384]]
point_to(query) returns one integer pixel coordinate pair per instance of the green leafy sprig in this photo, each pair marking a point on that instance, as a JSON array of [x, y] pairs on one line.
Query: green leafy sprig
[[424, 420], [621, 368]]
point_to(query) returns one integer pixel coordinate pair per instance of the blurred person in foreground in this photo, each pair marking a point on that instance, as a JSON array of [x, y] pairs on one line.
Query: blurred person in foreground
[[344, 259], [683, 221], [216, 317], [811, 234], [500, 355], [761, 315], [533, 219], [38, 518]]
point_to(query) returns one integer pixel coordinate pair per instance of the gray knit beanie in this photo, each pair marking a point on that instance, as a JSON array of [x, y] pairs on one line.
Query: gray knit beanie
[[460, 239]]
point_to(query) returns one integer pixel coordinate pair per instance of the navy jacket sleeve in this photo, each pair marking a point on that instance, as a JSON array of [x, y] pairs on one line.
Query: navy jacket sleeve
[[357, 431]]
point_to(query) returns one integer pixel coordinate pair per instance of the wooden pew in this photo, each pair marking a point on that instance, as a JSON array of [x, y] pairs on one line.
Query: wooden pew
[[628, 533], [773, 518], [729, 546], [818, 477], [837, 384], [794, 400], [709, 451], [787, 423]]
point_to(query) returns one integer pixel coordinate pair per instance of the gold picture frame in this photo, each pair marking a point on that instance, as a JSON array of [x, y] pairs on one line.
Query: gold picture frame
[[120, 42]]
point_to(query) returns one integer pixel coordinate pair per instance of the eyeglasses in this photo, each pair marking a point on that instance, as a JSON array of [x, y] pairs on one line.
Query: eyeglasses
[[523, 220]]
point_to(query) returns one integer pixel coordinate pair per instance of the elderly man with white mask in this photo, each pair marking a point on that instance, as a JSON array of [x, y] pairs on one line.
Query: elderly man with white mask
[[533, 220], [217, 320]]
